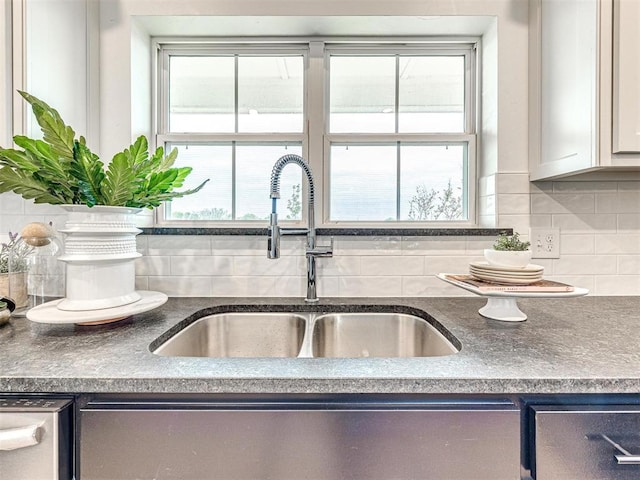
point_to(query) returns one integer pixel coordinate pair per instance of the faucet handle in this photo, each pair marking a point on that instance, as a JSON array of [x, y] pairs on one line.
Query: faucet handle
[[322, 250]]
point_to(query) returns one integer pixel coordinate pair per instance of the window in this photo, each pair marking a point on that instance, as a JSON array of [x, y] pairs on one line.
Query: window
[[388, 129]]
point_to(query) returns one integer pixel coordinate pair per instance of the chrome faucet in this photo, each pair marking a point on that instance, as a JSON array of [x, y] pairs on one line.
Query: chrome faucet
[[273, 241]]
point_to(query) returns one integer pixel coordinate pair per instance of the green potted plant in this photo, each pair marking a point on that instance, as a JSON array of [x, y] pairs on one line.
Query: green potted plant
[[60, 169], [99, 244], [509, 251]]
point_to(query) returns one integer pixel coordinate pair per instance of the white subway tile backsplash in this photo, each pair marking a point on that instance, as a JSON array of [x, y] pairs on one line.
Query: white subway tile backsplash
[[179, 245], [617, 284], [540, 221], [519, 223], [12, 204], [252, 286], [367, 246], [212, 266], [142, 244], [142, 283], [433, 245], [513, 183], [370, 286], [628, 265], [475, 245], [384, 266], [628, 222], [585, 223], [541, 187], [459, 264], [585, 264], [577, 244], [334, 266], [238, 245], [582, 281], [568, 186], [620, 202], [153, 266], [328, 286], [567, 203], [261, 266], [188, 286], [618, 244], [600, 247]]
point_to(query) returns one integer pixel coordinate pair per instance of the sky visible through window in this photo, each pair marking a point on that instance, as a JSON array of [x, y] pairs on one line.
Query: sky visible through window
[[369, 180]]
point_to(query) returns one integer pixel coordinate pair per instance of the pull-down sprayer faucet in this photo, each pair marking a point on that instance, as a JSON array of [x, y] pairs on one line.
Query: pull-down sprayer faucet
[[273, 241]]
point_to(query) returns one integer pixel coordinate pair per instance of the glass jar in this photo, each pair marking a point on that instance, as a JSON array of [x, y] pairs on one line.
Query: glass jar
[[36, 255]]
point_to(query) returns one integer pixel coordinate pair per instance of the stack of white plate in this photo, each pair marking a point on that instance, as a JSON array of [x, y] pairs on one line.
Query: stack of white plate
[[507, 275]]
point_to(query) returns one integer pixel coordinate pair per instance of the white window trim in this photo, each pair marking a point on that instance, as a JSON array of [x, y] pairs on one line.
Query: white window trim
[[315, 138]]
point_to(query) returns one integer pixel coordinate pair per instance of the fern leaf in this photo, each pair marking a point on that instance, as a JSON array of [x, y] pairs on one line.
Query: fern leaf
[[155, 199], [120, 182], [89, 171], [43, 155], [168, 161], [138, 152], [162, 181], [23, 184], [17, 159], [56, 132]]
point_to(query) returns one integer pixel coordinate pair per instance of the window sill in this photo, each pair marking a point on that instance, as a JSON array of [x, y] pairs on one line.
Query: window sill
[[351, 232]]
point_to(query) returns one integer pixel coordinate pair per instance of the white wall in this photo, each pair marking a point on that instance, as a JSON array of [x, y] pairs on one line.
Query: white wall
[[597, 252]]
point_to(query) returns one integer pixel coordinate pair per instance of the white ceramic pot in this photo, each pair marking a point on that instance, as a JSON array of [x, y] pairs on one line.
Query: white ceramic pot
[[99, 252], [505, 258]]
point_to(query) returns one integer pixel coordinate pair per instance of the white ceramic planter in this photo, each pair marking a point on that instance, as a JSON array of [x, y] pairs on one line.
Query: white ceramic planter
[[99, 252], [504, 258]]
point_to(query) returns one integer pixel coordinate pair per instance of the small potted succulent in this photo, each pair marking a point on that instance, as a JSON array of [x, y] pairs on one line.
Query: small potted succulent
[[509, 251]]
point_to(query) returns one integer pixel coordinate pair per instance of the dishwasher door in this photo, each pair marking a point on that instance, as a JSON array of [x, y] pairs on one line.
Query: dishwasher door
[[36, 439], [300, 440]]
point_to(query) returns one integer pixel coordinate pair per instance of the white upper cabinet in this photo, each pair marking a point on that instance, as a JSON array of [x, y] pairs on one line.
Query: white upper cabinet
[[626, 76], [585, 87]]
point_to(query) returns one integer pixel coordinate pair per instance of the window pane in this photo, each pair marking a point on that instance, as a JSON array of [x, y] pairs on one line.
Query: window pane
[[431, 94], [253, 172], [363, 182], [362, 94], [270, 93], [213, 202], [432, 182], [201, 94]]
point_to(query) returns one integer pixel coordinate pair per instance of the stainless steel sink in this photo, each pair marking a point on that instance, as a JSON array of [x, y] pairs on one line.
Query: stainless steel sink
[[308, 334], [377, 335], [238, 335]]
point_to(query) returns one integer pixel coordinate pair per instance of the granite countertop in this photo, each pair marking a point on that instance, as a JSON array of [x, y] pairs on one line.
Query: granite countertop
[[567, 345]]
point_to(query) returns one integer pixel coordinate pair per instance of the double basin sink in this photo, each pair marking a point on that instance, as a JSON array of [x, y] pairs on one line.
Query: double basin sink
[[308, 334]]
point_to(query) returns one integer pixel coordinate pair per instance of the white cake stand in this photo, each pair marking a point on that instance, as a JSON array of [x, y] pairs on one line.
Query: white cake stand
[[503, 305]]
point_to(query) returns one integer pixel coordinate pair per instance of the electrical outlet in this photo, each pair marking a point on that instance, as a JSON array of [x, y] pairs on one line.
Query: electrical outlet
[[545, 242]]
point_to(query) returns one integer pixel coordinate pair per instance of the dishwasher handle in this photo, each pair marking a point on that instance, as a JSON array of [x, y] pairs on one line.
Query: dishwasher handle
[[625, 457], [20, 437]]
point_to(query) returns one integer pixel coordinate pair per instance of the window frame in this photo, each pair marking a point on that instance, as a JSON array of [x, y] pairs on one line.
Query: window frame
[[316, 138]]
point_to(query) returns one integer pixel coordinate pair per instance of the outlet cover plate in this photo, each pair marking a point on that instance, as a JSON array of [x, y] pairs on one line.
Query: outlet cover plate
[[545, 242]]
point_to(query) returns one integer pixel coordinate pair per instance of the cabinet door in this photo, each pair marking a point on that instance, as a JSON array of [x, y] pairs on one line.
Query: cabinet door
[[568, 87], [300, 441], [578, 443], [626, 76]]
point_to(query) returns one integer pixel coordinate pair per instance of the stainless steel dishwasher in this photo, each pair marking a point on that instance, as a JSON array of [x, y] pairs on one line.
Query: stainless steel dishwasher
[[294, 440], [36, 438]]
